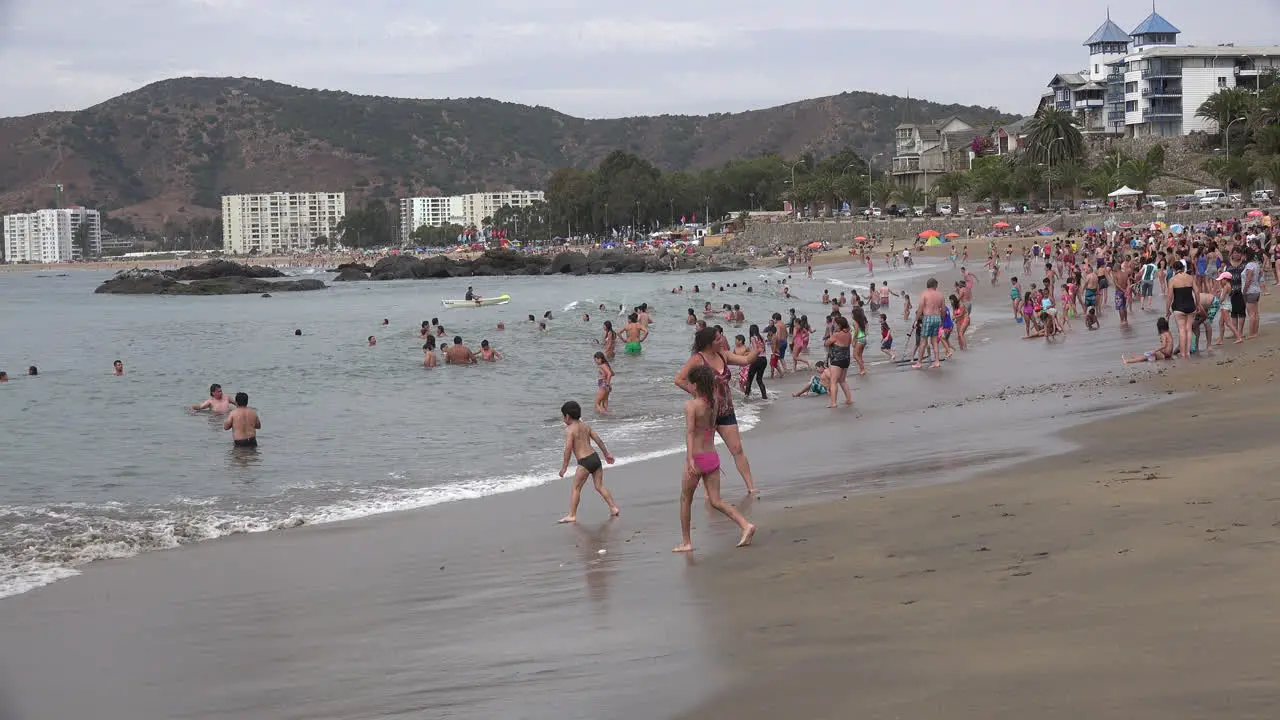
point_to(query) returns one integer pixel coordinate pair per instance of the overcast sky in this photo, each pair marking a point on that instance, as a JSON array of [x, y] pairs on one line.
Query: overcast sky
[[591, 58]]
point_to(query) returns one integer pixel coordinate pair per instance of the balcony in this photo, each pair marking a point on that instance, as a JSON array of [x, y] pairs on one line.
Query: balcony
[[1161, 113], [1089, 103], [1161, 92], [1166, 71]]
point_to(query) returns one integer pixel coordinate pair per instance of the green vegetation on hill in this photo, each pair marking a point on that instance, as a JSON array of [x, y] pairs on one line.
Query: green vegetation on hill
[[170, 149]]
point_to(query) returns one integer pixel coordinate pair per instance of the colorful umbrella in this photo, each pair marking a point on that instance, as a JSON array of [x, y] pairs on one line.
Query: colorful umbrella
[[1126, 224], [815, 244], [929, 234], [951, 236], [1175, 228], [860, 238], [1000, 225], [1045, 231], [934, 240], [1254, 213], [1091, 228]]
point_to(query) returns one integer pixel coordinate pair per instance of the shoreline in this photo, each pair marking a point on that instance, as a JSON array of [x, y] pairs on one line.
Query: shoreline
[[1039, 590]]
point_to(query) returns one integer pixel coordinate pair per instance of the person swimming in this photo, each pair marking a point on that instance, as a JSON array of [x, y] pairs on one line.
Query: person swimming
[[217, 403]]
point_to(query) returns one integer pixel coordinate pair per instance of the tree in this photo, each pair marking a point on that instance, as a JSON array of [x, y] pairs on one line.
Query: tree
[[1231, 171], [1027, 178], [882, 192], [1068, 177], [1138, 173], [990, 178], [1224, 107], [368, 227], [442, 236], [1269, 169], [910, 196], [852, 189], [1053, 136], [952, 185], [80, 239]]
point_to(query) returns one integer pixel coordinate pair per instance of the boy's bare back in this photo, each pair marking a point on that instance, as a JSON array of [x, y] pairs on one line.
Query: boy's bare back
[[578, 436]]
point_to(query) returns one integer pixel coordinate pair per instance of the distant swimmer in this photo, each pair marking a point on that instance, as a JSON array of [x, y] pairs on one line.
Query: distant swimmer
[[117, 367], [4, 376], [586, 317], [385, 321], [487, 353], [502, 326], [459, 354], [243, 423], [425, 330], [298, 332], [578, 437], [217, 403], [633, 334], [372, 341], [33, 371]]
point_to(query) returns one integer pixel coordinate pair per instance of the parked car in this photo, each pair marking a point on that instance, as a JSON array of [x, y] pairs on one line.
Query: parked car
[[944, 209], [1212, 198], [1261, 197], [1157, 202], [1090, 206]]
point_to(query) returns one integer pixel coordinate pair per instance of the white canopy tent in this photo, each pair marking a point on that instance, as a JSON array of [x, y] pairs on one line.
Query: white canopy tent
[[1125, 191]]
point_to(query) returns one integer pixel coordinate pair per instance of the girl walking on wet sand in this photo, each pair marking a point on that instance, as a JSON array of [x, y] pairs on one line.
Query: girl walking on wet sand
[[702, 462], [604, 385]]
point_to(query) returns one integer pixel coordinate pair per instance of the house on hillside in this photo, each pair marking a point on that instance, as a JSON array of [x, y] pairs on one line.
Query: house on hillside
[[924, 151], [1007, 139]]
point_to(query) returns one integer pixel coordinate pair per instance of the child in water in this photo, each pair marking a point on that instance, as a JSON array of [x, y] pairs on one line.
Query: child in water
[[1164, 352], [702, 462], [578, 437], [604, 384]]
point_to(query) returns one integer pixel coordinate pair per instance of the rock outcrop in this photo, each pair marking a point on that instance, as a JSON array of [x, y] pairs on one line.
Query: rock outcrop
[[217, 277]]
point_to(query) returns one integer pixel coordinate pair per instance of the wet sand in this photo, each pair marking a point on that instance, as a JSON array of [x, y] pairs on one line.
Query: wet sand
[[1131, 577], [487, 608]]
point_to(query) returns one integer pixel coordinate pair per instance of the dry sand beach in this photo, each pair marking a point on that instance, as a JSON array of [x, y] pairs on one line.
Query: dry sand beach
[[1131, 577]]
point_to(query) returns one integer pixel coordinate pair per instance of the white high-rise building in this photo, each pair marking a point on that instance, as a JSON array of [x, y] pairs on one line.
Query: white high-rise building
[[280, 222], [470, 209], [48, 236], [1142, 83]]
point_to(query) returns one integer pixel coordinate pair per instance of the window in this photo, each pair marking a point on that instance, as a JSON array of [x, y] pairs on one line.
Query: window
[[1131, 87], [1095, 69], [1131, 106], [1222, 81]]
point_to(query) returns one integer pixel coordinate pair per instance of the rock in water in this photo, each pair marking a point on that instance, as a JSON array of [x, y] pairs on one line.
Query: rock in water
[[150, 282], [222, 269]]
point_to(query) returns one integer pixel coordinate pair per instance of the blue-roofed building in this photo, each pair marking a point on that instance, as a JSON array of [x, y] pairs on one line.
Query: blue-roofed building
[[1155, 30], [1143, 84]]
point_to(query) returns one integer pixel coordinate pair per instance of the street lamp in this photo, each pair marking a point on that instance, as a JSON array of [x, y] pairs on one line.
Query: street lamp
[[635, 224], [672, 201], [752, 207], [1226, 135]]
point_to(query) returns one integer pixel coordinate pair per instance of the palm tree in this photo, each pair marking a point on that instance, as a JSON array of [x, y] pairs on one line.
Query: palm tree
[[1056, 128], [991, 178], [1225, 105], [1231, 170], [910, 196], [851, 189], [882, 191], [952, 185], [1266, 140], [1138, 173], [1068, 177], [1269, 170], [823, 188], [1027, 179]]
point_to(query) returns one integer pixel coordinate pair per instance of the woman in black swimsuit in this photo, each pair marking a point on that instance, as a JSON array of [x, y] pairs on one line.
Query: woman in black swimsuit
[[1182, 305], [706, 353], [839, 345]]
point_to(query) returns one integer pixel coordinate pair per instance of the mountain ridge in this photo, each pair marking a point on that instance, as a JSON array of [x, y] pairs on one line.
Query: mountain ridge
[[167, 151]]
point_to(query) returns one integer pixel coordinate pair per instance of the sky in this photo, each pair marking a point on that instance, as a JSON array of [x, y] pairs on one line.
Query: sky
[[589, 58]]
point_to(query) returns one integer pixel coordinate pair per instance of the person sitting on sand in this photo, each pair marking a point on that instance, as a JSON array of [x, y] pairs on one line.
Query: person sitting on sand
[[818, 384], [578, 437], [702, 462], [1164, 352]]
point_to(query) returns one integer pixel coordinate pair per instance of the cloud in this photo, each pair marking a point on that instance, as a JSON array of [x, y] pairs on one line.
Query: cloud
[[595, 59]]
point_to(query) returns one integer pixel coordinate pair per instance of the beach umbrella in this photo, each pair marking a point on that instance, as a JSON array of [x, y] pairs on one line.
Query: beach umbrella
[[951, 236], [860, 238], [815, 244], [1126, 224], [929, 234], [1159, 225], [1175, 228], [1000, 225], [1091, 228], [1045, 231], [933, 241], [1254, 213]]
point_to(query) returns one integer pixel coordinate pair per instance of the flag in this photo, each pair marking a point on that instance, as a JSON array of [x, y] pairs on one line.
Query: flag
[[681, 219]]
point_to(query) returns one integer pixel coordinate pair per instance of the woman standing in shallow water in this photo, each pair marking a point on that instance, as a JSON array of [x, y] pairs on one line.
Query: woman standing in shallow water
[[702, 462], [609, 339], [604, 384], [726, 422]]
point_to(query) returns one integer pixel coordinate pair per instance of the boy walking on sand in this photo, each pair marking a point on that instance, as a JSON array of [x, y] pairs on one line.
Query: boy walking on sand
[[578, 437]]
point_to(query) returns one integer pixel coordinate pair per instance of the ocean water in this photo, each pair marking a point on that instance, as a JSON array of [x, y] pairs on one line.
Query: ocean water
[[98, 466]]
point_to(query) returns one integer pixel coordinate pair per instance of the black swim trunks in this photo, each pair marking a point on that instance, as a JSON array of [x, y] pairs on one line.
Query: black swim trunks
[[247, 442], [729, 419], [590, 463]]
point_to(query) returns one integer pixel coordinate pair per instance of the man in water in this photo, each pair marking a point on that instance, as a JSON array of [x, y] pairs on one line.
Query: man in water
[[459, 354], [118, 367], [930, 318], [243, 423], [633, 334], [643, 318], [217, 403]]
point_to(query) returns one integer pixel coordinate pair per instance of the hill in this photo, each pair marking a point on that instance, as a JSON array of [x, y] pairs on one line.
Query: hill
[[168, 151]]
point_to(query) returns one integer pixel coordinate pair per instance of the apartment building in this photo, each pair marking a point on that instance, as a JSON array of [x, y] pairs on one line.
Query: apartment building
[[1142, 83], [465, 210], [280, 222], [923, 152], [49, 236]]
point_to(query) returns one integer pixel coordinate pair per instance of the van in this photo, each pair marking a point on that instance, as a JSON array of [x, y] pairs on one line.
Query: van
[[1213, 197], [1205, 191]]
